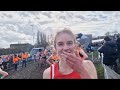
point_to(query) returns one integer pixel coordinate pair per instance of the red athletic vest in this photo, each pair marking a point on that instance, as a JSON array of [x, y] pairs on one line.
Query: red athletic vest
[[55, 74]]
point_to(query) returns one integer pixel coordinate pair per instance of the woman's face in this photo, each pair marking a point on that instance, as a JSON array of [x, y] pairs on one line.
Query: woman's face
[[65, 42], [55, 53]]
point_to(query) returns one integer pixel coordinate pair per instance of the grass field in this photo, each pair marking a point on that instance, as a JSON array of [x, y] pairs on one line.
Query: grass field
[[100, 70], [98, 65]]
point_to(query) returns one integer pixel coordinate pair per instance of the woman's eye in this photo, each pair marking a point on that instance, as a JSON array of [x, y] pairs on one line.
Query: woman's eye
[[60, 44], [70, 43]]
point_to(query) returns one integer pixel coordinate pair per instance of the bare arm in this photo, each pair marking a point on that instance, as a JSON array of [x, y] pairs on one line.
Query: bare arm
[[48, 60], [13, 60], [19, 58], [46, 73], [88, 71], [3, 73]]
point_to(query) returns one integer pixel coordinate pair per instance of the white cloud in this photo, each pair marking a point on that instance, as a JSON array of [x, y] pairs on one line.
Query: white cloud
[[15, 26]]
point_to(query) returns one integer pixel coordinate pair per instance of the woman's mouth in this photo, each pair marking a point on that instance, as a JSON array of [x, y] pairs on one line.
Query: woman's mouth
[[68, 51]]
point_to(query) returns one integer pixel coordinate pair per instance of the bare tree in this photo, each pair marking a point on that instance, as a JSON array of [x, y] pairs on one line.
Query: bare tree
[[38, 38], [41, 40]]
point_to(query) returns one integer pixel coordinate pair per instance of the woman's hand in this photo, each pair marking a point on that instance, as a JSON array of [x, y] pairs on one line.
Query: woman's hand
[[73, 61], [84, 67]]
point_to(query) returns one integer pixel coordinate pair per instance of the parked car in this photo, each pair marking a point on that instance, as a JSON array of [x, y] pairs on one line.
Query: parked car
[[34, 51]]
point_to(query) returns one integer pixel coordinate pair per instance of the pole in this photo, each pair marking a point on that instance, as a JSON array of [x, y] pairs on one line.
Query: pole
[[33, 36], [33, 39]]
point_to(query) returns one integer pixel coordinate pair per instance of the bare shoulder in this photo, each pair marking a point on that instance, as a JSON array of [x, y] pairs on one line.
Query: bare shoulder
[[46, 73], [90, 67], [88, 62]]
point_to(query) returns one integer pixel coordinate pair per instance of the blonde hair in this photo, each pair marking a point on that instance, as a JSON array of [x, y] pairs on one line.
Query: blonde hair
[[65, 30]]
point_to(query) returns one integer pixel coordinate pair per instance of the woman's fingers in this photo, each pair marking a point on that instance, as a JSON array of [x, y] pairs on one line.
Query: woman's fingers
[[71, 55], [70, 59], [76, 53], [63, 55], [71, 64]]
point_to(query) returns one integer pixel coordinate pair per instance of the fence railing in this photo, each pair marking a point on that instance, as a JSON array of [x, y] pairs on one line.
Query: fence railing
[[108, 72]]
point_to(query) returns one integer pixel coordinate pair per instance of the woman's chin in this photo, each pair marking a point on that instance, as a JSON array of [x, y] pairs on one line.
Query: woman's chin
[[63, 57]]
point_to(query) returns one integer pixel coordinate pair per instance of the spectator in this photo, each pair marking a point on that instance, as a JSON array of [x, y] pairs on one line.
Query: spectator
[[110, 54], [118, 45], [83, 39], [37, 57], [54, 58], [4, 62], [43, 59], [24, 58], [15, 61], [10, 61]]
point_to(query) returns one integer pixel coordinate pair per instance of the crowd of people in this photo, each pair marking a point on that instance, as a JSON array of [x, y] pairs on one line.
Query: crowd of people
[[66, 60], [12, 60]]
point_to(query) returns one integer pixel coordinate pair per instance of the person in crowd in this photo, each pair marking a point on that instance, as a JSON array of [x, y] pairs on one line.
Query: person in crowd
[[37, 57], [110, 53], [4, 61], [53, 58], [16, 61], [24, 59], [3, 74], [118, 46]]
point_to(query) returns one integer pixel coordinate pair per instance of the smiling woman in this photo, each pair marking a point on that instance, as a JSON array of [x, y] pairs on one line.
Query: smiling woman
[[70, 65]]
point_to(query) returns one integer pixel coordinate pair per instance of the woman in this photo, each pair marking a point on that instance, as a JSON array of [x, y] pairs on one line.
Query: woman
[[54, 57], [43, 59], [37, 57], [70, 65], [3, 74]]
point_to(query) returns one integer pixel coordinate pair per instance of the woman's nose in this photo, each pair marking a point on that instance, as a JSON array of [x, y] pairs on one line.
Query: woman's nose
[[65, 48]]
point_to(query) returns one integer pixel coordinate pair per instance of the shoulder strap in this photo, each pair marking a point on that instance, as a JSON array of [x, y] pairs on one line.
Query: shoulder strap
[[52, 69]]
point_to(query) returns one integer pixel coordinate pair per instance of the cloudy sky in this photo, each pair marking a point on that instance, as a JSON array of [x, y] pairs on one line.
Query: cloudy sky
[[20, 26]]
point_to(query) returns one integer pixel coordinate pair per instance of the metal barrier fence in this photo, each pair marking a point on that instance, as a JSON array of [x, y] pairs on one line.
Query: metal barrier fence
[[108, 72]]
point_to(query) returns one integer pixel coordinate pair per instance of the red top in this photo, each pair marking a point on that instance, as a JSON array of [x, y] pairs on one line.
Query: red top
[[55, 74]]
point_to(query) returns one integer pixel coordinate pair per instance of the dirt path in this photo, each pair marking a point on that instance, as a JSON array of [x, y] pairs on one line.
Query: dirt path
[[32, 71]]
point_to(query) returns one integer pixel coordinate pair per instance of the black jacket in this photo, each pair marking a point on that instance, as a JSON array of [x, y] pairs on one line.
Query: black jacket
[[108, 58], [118, 44]]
